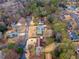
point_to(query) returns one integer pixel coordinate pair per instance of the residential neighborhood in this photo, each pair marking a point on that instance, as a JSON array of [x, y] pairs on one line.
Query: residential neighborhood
[[39, 29]]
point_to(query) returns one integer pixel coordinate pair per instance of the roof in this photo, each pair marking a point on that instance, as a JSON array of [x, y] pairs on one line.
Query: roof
[[72, 0], [71, 7], [22, 34], [12, 30], [19, 24]]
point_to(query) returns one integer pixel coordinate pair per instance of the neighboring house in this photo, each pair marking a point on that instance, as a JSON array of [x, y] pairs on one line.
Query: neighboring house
[[11, 33], [71, 2], [67, 17], [3, 1]]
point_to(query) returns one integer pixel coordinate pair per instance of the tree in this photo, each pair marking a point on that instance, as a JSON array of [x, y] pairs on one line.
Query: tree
[[51, 18], [19, 50], [11, 45], [3, 27], [54, 2], [68, 49], [11, 54], [65, 50], [40, 3], [57, 52], [57, 25], [58, 37]]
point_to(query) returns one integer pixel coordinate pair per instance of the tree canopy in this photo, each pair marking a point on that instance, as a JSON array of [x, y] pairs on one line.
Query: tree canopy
[[3, 28], [65, 50]]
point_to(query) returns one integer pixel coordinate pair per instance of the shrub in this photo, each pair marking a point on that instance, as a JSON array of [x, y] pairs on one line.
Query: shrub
[[19, 50], [11, 45]]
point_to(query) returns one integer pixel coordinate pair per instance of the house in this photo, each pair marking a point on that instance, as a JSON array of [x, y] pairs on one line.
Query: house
[[71, 2], [67, 17]]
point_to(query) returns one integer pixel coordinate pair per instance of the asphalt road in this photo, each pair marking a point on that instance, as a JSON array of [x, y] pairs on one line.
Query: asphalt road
[[28, 20]]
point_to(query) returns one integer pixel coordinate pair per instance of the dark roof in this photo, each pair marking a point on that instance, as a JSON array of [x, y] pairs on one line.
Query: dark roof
[[2, 1], [72, 0]]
